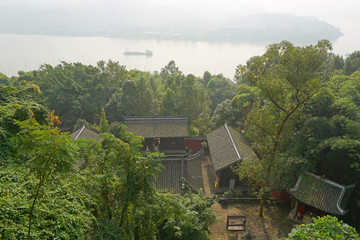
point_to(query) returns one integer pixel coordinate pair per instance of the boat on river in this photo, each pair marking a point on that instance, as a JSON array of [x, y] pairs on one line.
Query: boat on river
[[147, 53]]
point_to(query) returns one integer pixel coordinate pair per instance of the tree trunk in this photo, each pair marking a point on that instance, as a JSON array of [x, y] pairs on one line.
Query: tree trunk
[[33, 206], [262, 202], [122, 215]]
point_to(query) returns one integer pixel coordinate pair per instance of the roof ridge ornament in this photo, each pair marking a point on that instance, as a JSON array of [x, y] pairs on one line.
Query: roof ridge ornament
[[233, 142], [80, 131]]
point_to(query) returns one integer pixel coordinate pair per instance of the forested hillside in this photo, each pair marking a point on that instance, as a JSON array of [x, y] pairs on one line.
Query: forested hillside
[[298, 106], [55, 188]]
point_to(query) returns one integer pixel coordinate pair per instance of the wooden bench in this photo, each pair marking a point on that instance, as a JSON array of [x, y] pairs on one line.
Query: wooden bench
[[236, 222]]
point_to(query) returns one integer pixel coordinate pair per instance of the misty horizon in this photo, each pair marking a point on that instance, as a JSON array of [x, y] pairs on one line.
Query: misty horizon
[[148, 21]]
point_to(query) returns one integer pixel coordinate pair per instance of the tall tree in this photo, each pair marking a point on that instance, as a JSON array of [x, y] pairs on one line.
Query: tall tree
[[206, 78], [129, 98], [168, 103], [48, 153], [16, 104], [125, 188], [170, 70], [145, 98], [193, 99], [104, 124], [352, 63], [220, 89], [328, 138], [287, 78], [223, 113]]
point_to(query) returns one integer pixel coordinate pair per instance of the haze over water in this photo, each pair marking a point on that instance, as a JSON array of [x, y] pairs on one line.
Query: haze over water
[[19, 52], [28, 52]]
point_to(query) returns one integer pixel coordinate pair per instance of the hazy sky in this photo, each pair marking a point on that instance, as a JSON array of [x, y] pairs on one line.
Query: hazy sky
[[324, 9], [343, 14], [329, 10]]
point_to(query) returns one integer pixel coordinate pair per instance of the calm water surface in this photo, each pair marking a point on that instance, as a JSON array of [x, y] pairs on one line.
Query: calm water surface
[[28, 52]]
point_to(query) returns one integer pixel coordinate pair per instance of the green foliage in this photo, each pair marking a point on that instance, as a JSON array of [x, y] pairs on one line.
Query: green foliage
[[4, 80], [169, 103], [80, 122], [200, 127], [299, 109], [352, 63], [113, 71], [136, 98], [128, 206], [77, 91], [223, 113], [192, 98], [123, 183], [17, 103], [46, 153], [115, 128], [170, 70], [327, 227], [332, 130], [62, 211], [104, 124], [243, 102], [108, 194], [146, 105], [206, 78], [220, 89], [185, 217], [331, 63], [45, 150], [286, 77]]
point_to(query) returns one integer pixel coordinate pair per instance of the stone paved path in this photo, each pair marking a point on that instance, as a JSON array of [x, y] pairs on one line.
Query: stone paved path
[[205, 162], [273, 225]]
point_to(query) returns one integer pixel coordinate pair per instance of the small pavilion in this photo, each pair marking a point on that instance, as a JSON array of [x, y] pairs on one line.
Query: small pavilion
[[317, 196]]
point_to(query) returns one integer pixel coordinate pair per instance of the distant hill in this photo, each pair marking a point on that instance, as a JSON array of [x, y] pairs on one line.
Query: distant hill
[[147, 21]]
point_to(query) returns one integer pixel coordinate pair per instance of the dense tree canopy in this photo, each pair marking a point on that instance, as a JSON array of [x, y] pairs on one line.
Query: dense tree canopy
[[327, 227], [98, 190], [298, 106], [352, 63], [287, 79], [78, 91]]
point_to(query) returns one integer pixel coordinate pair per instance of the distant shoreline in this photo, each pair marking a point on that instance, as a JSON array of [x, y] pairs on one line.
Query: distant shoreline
[[247, 37]]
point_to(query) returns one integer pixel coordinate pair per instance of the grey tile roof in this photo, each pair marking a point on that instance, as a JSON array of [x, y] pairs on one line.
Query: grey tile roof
[[151, 127], [83, 132], [176, 169], [323, 194], [227, 146], [170, 177], [194, 173]]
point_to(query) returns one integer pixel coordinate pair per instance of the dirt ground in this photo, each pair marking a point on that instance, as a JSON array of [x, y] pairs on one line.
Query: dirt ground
[[273, 225]]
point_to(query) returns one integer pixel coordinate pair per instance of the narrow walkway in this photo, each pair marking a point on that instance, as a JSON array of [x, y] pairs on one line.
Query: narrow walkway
[[205, 162]]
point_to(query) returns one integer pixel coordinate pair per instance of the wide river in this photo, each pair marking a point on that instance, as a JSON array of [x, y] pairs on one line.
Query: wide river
[[28, 52]]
